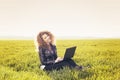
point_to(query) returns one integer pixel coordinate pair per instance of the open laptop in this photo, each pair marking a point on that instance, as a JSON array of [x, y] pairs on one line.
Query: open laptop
[[69, 53]]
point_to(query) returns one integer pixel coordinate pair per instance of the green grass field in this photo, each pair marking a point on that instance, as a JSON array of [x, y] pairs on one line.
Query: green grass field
[[19, 61]]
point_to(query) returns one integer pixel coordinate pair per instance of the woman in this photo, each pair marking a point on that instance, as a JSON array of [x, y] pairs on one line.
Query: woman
[[48, 53]]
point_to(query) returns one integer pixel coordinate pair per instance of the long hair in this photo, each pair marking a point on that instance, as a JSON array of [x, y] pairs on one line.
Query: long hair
[[39, 42]]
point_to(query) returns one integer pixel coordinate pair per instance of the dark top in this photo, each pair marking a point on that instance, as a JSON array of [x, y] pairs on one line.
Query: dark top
[[47, 56]]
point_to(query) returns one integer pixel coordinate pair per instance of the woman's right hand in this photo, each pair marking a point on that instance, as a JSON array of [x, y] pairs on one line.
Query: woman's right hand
[[58, 59]]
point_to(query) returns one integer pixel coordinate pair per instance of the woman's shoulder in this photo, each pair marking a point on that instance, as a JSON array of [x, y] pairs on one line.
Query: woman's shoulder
[[41, 48], [54, 46]]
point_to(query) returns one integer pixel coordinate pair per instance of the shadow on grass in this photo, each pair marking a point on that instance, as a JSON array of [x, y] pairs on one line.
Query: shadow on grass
[[85, 74], [69, 74]]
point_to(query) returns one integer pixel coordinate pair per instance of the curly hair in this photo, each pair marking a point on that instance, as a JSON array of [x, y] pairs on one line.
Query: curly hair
[[40, 42]]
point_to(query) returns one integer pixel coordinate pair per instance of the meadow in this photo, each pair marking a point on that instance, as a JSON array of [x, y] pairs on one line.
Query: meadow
[[20, 61]]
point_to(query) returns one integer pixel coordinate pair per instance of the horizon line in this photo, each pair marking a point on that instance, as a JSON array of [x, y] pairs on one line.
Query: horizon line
[[58, 38]]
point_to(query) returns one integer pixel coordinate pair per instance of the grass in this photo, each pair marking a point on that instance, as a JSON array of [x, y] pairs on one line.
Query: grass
[[19, 61]]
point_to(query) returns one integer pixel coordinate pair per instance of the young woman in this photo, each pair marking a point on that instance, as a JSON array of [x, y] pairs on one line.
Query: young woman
[[48, 53]]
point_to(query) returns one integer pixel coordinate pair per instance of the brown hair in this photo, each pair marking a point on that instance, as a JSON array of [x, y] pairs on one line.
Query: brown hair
[[40, 41]]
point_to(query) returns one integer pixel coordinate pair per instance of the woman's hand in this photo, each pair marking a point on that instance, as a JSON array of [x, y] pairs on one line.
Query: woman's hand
[[58, 59]]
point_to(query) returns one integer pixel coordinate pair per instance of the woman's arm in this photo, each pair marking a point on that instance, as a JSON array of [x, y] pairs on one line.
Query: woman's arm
[[55, 49], [57, 59], [43, 58]]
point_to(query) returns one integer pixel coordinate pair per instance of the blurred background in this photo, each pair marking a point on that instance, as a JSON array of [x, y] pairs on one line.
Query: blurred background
[[64, 18]]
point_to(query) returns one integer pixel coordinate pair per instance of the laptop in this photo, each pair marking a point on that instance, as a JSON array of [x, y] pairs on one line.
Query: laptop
[[69, 53]]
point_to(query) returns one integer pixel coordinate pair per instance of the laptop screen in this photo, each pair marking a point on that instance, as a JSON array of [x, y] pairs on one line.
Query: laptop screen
[[69, 53]]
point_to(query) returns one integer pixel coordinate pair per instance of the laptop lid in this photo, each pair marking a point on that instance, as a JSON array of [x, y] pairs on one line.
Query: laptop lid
[[69, 53]]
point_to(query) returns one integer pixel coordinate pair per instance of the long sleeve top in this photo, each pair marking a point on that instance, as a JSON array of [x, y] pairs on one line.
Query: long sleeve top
[[47, 56]]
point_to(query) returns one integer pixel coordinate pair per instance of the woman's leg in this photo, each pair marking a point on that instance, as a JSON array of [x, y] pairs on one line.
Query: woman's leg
[[59, 65], [48, 67], [69, 63]]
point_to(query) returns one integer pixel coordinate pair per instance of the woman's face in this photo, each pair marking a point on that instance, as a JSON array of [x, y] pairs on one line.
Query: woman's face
[[46, 38]]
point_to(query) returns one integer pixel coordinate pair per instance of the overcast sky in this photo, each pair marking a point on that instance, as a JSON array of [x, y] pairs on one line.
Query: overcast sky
[[72, 18]]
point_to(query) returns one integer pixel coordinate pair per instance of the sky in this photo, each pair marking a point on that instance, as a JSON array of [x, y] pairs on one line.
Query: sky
[[64, 18]]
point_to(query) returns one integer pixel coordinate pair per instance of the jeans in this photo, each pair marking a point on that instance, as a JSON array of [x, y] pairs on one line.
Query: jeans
[[59, 65]]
